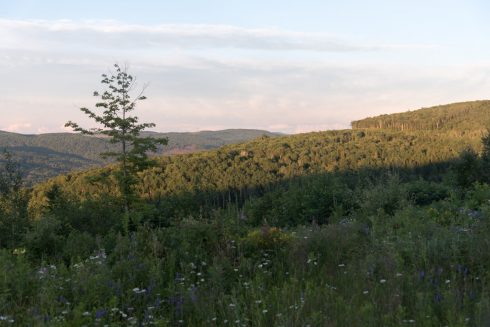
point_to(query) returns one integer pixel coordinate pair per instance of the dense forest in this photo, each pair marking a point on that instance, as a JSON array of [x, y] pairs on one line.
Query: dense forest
[[235, 172], [364, 227], [48, 155], [457, 118]]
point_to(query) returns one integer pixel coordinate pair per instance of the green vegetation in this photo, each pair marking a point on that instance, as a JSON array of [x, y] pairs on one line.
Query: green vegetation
[[457, 119], [48, 155], [115, 121], [364, 227], [188, 183]]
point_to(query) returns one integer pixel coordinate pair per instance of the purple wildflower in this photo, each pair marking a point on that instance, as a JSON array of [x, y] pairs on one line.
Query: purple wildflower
[[100, 313]]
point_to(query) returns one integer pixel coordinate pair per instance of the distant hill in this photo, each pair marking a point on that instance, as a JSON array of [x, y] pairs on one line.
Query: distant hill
[[47, 155], [457, 118], [407, 139], [426, 139]]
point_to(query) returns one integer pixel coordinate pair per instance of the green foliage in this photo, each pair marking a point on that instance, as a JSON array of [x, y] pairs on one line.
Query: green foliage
[[471, 167], [422, 192], [467, 168], [13, 203], [324, 229], [424, 257], [124, 130], [47, 155], [267, 238], [456, 119], [237, 172], [45, 239]]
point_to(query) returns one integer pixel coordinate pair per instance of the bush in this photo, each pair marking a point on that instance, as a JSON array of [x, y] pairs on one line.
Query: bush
[[422, 192], [267, 238], [45, 238]]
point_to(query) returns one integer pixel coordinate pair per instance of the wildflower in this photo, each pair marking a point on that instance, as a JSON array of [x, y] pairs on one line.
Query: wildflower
[[19, 251], [365, 292], [86, 314], [399, 274], [100, 313], [232, 305], [382, 281], [265, 311], [214, 319], [136, 289], [341, 265], [448, 281]]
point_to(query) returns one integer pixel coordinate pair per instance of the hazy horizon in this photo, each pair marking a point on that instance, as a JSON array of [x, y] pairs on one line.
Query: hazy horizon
[[282, 67]]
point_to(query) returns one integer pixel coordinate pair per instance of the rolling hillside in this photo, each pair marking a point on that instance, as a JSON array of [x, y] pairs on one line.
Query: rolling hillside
[[239, 170], [360, 227], [47, 155]]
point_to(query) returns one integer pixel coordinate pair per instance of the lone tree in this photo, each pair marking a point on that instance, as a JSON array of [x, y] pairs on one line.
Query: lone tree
[[115, 104]]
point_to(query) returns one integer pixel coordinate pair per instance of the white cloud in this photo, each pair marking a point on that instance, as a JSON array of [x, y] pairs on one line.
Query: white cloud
[[215, 77], [18, 127], [42, 34]]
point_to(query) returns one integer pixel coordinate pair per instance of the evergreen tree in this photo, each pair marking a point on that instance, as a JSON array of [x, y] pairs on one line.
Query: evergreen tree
[[116, 103]]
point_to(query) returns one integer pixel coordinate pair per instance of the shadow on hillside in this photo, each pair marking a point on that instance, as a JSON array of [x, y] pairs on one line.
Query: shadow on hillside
[[204, 200]]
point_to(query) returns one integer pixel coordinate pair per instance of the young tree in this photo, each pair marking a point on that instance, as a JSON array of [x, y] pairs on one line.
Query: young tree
[[116, 102]]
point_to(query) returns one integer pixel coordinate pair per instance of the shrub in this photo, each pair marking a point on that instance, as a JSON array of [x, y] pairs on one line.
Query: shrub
[[267, 238]]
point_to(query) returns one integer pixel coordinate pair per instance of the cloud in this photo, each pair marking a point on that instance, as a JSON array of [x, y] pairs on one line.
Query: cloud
[[281, 96], [43, 34], [18, 127], [213, 77]]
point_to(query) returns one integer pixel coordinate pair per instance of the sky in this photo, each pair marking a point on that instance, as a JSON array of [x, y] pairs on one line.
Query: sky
[[284, 66]]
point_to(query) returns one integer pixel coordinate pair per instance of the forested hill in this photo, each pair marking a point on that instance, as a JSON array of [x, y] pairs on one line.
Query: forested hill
[[235, 169], [235, 172], [464, 117], [47, 155]]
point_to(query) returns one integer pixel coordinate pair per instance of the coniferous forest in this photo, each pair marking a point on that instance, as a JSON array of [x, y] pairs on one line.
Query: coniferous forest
[[384, 224]]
